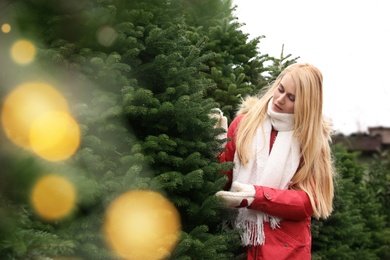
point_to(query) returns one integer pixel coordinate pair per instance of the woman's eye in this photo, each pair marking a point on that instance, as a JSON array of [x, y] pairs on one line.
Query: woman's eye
[[292, 98]]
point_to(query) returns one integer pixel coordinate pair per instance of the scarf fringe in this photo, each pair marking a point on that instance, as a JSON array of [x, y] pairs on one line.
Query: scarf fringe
[[252, 233]]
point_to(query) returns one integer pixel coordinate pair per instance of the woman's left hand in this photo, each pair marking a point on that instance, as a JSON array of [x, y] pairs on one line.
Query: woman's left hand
[[240, 195]]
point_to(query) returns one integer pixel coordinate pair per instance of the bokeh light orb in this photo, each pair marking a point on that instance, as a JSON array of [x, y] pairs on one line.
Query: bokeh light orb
[[6, 28], [55, 136], [142, 225], [24, 105], [53, 197], [23, 52], [106, 36]]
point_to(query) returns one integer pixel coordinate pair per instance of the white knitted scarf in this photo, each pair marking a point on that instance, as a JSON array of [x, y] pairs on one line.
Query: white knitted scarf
[[273, 170]]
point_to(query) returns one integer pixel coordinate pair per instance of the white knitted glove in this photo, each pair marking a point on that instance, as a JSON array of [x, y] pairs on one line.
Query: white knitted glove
[[221, 123], [240, 195]]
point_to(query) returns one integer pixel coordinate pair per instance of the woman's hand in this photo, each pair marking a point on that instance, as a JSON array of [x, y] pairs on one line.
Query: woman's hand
[[239, 196]]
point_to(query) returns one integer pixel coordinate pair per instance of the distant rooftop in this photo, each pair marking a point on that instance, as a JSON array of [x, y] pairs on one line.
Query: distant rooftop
[[377, 138]]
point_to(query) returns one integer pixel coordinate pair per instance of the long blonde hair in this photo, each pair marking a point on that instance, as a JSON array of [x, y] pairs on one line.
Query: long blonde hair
[[316, 173]]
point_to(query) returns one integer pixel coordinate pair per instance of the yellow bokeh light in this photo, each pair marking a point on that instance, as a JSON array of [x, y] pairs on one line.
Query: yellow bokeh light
[[142, 225], [24, 105], [23, 52], [6, 28], [53, 197], [55, 136]]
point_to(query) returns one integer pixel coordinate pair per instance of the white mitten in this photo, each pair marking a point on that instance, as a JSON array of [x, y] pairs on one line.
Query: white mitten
[[221, 123], [239, 196]]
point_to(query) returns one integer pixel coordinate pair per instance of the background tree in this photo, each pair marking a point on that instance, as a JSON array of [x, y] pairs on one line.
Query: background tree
[[378, 181], [356, 229], [280, 63], [379, 178]]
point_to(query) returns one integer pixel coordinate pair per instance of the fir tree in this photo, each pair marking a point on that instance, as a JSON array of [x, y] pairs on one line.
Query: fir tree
[[356, 229], [237, 66], [145, 125], [279, 64], [378, 181]]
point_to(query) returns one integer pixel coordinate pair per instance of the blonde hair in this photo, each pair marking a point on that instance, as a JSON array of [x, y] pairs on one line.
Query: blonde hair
[[316, 173]]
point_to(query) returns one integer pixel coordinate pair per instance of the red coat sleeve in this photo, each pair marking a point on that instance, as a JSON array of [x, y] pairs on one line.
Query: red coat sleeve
[[287, 204], [230, 148]]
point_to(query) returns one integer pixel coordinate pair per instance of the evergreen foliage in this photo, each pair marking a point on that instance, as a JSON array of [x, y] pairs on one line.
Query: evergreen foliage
[[378, 180], [356, 229], [145, 125], [236, 68], [280, 63], [378, 175]]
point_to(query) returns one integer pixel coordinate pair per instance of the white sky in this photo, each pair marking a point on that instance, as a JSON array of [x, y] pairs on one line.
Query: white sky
[[348, 40]]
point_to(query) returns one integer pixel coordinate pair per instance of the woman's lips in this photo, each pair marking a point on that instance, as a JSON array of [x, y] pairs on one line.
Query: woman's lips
[[276, 107]]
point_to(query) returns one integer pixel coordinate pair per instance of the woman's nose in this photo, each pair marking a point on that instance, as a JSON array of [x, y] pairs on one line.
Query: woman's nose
[[281, 99]]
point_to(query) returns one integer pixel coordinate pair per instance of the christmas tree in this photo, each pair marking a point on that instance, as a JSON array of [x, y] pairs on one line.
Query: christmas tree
[[133, 77]]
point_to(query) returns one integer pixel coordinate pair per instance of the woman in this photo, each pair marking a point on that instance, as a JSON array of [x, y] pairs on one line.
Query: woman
[[283, 172]]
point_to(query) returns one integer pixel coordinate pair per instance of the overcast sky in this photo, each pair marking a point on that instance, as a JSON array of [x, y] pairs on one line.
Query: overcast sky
[[348, 40]]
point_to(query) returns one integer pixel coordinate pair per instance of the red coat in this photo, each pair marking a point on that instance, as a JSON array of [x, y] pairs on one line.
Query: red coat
[[293, 239]]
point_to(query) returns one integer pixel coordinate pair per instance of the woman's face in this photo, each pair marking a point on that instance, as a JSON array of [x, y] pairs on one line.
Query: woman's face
[[284, 96]]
